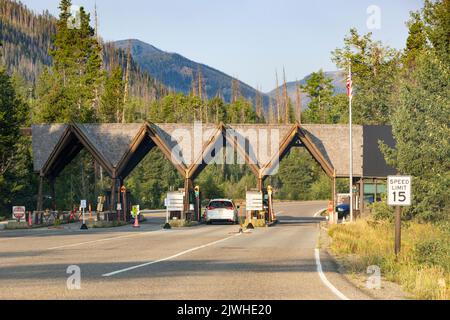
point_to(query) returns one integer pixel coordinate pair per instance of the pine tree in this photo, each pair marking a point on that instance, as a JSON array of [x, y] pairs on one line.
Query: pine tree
[[15, 160], [375, 70], [69, 91], [416, 42], [112, 101], [320, 89], [421, 129]]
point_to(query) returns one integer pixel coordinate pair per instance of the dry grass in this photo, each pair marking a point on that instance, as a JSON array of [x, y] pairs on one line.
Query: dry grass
[[422, 268]]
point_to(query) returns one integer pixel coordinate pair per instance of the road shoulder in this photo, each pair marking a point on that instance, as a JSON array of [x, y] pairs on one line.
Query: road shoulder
[[388, 291]]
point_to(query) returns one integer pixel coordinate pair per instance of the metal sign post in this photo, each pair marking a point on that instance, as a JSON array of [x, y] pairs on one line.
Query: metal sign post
[[399, 195], [118, 209], [197, 203], [167, 204], [123, 191], [83, 206], [270, 192]]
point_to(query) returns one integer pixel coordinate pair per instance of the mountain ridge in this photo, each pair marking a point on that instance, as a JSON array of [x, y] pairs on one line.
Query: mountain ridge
[[179, 73]]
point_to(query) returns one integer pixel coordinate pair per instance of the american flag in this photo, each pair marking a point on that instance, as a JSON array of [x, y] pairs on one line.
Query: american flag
[[350, 85]]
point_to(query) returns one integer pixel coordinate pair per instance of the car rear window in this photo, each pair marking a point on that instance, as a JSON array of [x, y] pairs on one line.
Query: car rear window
[[220, 204]]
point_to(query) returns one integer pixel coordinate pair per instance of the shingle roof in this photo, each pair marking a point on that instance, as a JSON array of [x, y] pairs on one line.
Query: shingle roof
[[44, 140], [333, 143], [186, 141], [258, 140], [112, 141]]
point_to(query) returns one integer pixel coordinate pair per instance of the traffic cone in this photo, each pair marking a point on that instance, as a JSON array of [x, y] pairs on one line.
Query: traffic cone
[[136, 222]]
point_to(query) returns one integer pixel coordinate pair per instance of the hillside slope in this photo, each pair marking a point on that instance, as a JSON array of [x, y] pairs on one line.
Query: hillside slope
[[338, 83], [26, 38], [178, 73]]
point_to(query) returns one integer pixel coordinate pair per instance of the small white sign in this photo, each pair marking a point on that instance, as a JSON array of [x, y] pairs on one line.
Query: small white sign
[[399, 191], [254, 201], [119, 206], [83, 204], [175, 201], [18, 212]]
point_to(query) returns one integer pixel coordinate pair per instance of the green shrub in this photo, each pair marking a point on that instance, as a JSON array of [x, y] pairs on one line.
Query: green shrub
[[381, 211], [435, 252]]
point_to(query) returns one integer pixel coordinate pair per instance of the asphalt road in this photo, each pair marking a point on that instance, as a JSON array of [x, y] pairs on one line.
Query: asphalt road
[[204, 262]]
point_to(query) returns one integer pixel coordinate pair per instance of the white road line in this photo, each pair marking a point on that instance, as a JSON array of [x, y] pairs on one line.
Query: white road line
[[168, 258], [103, 240], [319, 212], [324, 279]]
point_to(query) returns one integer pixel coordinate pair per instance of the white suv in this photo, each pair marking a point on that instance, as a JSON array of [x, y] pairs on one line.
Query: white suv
[[221, 210]]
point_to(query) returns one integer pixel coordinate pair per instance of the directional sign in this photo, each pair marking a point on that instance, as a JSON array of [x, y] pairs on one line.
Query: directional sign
[[175, 201], [399, 191], [254, 201]]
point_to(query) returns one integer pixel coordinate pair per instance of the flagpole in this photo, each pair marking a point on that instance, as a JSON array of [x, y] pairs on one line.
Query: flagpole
[[351, 142]]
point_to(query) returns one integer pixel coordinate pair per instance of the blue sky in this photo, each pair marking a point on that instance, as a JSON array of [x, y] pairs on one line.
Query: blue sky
[[248, 39]]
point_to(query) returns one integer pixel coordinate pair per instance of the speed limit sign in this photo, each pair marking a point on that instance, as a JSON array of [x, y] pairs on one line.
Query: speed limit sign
[[399, 191]]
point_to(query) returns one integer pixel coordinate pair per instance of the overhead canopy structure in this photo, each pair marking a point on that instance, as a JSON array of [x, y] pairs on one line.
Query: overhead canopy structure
[[119, 148]]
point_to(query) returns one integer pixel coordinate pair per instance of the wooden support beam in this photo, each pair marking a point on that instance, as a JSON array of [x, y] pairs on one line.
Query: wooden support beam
[[315, 152], [194, 169], [361, 196], [254, 167], [40, 196], [53, 192], [260, 184], [284, 146], [134, 146], [181, 167], [112, 204], [188, 186]]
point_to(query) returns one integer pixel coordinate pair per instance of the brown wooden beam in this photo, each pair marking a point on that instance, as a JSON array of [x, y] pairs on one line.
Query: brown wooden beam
[[315, 152], [134, 146], [182, 169], [40, 196], [254, 167], [53, 192], [192, 170], [285, 144], [188, 186], [107, 166]]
